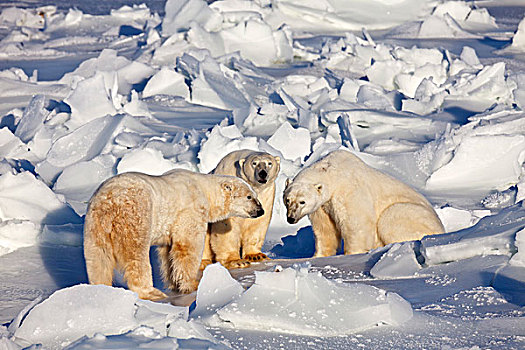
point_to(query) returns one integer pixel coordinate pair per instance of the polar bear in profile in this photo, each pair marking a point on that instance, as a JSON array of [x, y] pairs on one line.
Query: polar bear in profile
[[130, 212], [231, 236], [346, 199]]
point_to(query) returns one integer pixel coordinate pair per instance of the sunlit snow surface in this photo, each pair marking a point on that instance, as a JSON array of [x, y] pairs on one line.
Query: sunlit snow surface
[[430, 92]]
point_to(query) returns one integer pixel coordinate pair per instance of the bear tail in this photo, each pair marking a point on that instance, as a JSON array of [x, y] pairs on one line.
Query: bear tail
[[98, 250]]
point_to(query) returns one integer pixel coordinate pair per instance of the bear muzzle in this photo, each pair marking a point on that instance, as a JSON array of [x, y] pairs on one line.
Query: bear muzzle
[[262, 176]]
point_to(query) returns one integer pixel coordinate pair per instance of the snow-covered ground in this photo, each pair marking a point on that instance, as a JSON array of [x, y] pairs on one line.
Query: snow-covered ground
[[431, 92]]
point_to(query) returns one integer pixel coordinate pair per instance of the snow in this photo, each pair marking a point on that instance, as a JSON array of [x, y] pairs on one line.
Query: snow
[[90, 319], [299, 302], [429, 92]]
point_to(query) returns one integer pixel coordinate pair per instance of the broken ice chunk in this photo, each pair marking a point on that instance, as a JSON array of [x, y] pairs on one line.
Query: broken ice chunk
[[292, 143], [166, 82], [300, 302], [216, 289], [399, 261]]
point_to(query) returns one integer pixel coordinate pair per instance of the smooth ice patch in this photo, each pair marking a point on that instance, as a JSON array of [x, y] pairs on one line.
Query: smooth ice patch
[[86, 310], [299, 302]]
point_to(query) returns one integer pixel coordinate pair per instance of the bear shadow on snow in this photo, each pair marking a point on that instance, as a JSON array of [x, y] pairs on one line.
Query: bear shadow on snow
[[298, 246], [67, 266]]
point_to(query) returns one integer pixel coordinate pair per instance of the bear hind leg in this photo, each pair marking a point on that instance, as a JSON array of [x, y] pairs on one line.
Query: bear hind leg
[[98, 251], [100, 263], [138, 275], [407, 222]]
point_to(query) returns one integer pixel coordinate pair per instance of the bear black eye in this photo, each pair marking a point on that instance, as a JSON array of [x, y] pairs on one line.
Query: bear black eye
[[254, 163], [249, 197], [270, 164], [302, 202]]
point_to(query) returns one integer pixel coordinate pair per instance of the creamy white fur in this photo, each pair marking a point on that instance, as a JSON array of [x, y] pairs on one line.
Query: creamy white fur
[[347, 199], [132, 211], [236, 241]]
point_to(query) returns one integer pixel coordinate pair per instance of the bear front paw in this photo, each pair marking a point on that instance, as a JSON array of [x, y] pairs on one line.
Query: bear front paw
[[152, 294], [256, 257], [188, 287], [236, 264], [204, 263]]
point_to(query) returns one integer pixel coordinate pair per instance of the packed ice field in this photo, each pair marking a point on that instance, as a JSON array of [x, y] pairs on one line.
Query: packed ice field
[[429, 92]]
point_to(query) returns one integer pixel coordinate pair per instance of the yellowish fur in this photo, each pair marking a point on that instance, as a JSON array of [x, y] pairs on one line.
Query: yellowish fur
[[345, 198], [132, 211], [236, 241]]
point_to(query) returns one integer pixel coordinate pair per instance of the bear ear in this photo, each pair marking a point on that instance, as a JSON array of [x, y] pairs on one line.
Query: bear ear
[[319, 187], [241, 162], [227, 186], [278, 159]]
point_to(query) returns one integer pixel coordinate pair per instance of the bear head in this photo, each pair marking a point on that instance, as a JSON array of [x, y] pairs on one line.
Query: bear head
[[303, 198], [260, 168], [241, 198]]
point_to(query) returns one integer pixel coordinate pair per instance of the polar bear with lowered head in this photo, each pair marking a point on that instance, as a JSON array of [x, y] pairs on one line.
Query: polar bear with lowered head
[[231, 236], [346, 199], [132, 211]]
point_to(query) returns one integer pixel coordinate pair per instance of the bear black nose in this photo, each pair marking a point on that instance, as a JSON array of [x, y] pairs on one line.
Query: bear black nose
[[290, 220], [259, 213], [263, 174]]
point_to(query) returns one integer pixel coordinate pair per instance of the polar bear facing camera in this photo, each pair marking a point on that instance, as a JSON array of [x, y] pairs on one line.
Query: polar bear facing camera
[[346, 199], [130, 212], [231, 236]]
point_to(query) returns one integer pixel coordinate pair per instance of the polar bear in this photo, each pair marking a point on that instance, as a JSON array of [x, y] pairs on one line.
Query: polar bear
[[346, 199], [229, 237], [132, 211]]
